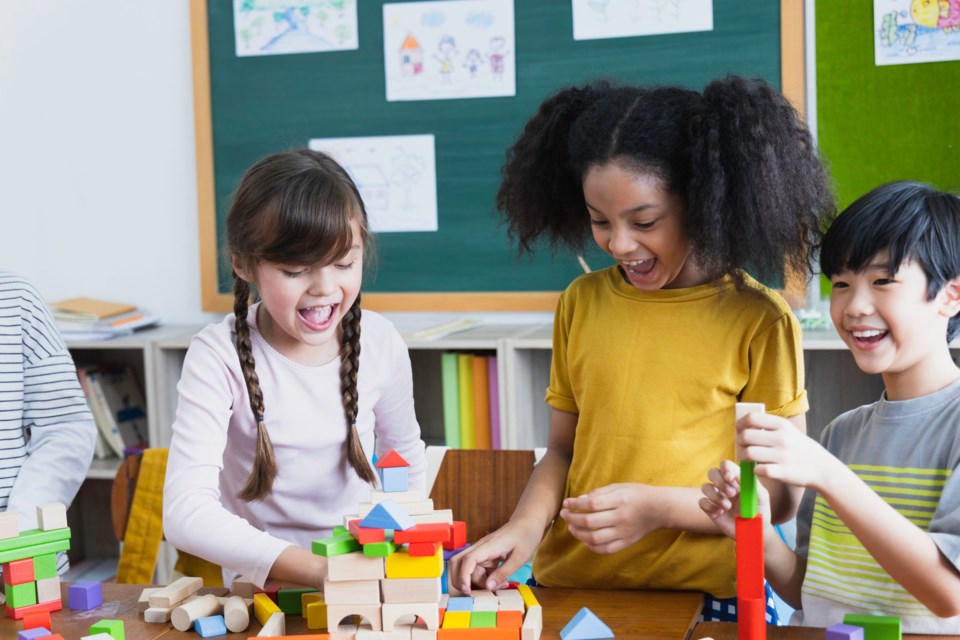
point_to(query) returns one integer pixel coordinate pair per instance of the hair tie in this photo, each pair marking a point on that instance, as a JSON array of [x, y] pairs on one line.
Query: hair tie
[[258, 417]]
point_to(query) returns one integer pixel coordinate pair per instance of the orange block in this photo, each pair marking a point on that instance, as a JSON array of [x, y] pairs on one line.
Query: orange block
[[36, 620], [423, 549], [499, 633], [510, 619], [309, 636]]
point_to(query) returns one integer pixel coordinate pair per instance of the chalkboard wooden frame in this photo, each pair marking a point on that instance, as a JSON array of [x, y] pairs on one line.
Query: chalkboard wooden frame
[[214, 299]]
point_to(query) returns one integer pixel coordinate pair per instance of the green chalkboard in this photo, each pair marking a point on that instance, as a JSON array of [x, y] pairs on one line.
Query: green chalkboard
[[248, 107]]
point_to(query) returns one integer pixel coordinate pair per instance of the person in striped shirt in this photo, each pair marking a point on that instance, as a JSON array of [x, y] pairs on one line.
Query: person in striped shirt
[[47, 433], [878, 530]]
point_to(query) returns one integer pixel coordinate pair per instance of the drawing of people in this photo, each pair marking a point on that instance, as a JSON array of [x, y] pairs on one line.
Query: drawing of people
[[497, 56], [472, 62], [448, 49], [937, 14]]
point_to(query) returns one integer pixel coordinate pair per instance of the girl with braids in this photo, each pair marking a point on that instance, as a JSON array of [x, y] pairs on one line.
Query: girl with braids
[[282, 402], [684, 191]]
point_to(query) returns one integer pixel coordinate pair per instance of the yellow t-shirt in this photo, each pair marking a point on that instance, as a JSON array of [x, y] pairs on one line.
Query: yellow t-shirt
[[654, 377]]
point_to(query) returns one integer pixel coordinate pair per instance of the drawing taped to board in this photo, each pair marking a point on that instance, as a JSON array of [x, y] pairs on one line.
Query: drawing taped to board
[[912, 31], [272, 27], [396, 176], [450, 49], [597, 19]]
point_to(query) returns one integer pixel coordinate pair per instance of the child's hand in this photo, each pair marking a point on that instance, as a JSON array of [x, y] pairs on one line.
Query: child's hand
[[782, 452], [610, 518], [513, 544], [721, 496]]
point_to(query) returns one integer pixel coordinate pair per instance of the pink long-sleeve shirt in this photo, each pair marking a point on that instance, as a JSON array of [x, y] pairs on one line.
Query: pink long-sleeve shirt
[[214, 442]]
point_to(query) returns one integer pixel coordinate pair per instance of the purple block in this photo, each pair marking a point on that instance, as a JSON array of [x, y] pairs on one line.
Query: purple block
[[449, 554], [83, 596], [32, 634], [844, 632]]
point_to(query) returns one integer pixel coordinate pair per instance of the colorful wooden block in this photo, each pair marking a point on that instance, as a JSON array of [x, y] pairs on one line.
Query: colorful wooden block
[[510, 619], [45, 566], [410, 590], [391, 459], [460, 603], [335, 545], [532, 623], [355, 566], [210, 626], [37, 620], [264, 607], [33, 634], [114, 628], [387, 515], [749, 545], [370, 613], [51, 516], [426, 532], [875, 627], [458, 536], [48, 589], [176, 592], [483, 619], [18, 614], [34, 539], [366, 535], [21, 595], [526, 593], [751, 618], [19, 571], [423, 549], [9, 525], [316, 614], [844, 632], [85, 595], [379, 549], [426, 612], [394, 479], [401, 565], [290, 601], [585, 625], [749, 505]]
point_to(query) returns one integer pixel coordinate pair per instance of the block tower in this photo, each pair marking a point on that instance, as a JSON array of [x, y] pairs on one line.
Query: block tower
[[751, 597], [29, 559]]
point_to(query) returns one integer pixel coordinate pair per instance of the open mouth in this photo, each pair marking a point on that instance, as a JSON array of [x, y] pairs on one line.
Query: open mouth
[[639, 268], [319, 318], [869, 337]]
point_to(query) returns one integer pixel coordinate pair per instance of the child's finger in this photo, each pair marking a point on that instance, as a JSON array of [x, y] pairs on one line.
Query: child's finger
[[591, 520], [711, 493], [722, 485]]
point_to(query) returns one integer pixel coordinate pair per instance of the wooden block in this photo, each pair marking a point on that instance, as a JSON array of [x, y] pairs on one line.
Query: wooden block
[[419, 633], [388, 514], [335, 546], [413, 495], [20, 612], [48, 590], [345, 632], [456, 620], [351, 592], [751, 618], [426, 611], [210, 626], [423, 549], [158, 615], [486, 603], [275, 625], [742, 409], [355, 566], [749, 546], [290, 601], [511, 600], [175, 592], [316, 613], [483, 619], [366, 535], [511, 619], [532, 623], [264, 608], [528, 598], [45, 566], [21, 596], [98, 636], [410, 590], [368, 634], [186, 614], [458, 535], [243, 587], [37, 620], [85, 595], [236, 614], [9, 525], [438, 515], [844, 632], [369, 612], [875, 627], [379, 549], [401, 565], [18, 572], [426, 532], [144, 602], [51, 516], [478, 634], [112, 627]]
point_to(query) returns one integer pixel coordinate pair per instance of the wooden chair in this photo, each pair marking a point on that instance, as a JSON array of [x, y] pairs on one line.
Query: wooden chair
[[482, 486]]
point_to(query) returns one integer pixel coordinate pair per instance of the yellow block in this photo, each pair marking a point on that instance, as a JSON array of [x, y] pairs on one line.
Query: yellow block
[[456, 620], [315, 611], [401, 565], [529, 600], [263, 607]]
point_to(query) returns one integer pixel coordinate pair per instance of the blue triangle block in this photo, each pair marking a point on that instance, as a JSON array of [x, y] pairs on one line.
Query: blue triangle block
[[388, 515], [585, 626]]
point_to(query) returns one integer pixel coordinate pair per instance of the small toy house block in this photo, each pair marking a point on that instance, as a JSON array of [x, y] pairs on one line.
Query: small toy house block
[[875, 627], [210, 626], [483, 619], [51, 516], [749, 545], [48, 589], [351, 592], [264, 607], [428, 532], [401, 565], [510, 619], [458, 536], [379, 549], [9, 525], [37, 620], [33, 634], [423, 549], [456, 620], [844, 632], [335, 546], [390, 460], [585, 625], [387, 515], [369, 612], [394, 479], [114, 628], [290, 601], [355, 566], [19, 571], [410, 590], [366, 535], [20, 596], [45, 566], [83, 596], [316, 614]]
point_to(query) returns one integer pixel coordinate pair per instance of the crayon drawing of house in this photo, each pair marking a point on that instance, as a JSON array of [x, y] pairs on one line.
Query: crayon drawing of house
[[411, 57]]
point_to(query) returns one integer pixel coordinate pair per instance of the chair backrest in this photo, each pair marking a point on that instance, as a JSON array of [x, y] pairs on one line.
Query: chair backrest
[[121, 496], [482, 486]]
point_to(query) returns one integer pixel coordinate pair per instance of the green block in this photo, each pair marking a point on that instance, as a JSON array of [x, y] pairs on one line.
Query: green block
[[875, 627], [335, 545], [45, 566], [483, 619], [36, 550], [34, 537], [20, 595], [749, 506], [112, 627], [379, 549], [339, 530], [290, 602]]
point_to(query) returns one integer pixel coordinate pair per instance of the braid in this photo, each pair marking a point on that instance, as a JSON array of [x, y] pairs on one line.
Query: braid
[[264, 472], [349, 368]]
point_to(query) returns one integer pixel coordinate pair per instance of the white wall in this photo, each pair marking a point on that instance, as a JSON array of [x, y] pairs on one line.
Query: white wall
[[97, 169]]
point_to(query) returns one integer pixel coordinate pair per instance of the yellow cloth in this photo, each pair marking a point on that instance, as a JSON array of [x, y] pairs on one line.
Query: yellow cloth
[[141, 542], [654, 377]]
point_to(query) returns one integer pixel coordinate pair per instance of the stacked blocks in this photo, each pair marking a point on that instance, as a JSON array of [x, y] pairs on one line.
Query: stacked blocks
[[751, 596], [29, 560], [387, 569]]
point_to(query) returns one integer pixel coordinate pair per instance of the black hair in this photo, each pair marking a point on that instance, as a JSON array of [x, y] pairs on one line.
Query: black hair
[[754, 185], [912, 221]]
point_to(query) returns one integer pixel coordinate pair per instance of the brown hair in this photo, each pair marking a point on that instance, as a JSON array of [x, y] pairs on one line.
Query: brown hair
[[295, 207]]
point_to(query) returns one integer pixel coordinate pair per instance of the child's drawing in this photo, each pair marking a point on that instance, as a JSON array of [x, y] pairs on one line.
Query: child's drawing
[[595, 19], [448, 49], [396, 176], [270, 27], [911, 31]]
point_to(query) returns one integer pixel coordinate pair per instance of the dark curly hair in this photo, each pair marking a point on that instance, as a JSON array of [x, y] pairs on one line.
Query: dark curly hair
[[755, 187]]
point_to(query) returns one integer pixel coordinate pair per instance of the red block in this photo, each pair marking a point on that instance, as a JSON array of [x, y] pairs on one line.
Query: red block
[[423, 549], [55, 636], [751, 618], [37, 620], [750, 558], [18, 571], [391, 459], [19, 612], [426, 532], [366, 535], [270, 590], [458, 536]]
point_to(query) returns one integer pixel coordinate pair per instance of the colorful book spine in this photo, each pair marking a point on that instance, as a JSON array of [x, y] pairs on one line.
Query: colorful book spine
[[481, 403], [451, 400], [493, 382], [465, 384]]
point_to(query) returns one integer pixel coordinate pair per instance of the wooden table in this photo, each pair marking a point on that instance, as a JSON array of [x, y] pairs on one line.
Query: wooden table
[[630, 614], [728, 631]]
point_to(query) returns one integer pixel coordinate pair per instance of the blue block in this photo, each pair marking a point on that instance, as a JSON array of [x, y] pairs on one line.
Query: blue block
[[460, 603], [32, 634], [443, 580], [394, 479], [388, 515], [585, 626], [844, 632], [210, 626], [83, 596]]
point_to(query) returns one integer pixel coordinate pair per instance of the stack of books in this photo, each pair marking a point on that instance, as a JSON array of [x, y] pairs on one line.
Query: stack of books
[[91, 319], [471, 400], [118, 408]]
